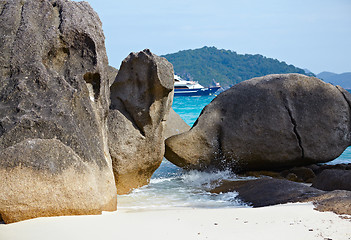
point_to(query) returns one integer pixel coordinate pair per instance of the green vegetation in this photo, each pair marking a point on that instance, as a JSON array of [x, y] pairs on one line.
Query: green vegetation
[[224, 66]]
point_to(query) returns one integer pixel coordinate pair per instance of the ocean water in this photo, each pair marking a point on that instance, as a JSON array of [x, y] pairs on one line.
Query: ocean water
[[189, 108], [170, 186]]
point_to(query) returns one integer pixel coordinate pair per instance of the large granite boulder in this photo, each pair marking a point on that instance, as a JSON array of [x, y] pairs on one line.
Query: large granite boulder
[[141, 98], [54, 98], [270, 122]]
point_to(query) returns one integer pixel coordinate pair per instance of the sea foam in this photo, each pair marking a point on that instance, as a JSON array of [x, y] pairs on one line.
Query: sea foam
[[173, 187]]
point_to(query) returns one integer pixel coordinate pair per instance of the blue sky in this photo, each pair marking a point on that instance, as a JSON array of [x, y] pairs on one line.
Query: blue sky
[[312, 34]]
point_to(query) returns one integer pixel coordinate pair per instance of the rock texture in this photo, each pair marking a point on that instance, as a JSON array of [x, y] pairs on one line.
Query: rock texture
[[267, 191], [111, 74], [141, 98], [175, 124], [336, 201], [44, 177], [271, 122], [54, 98], [333, 179]]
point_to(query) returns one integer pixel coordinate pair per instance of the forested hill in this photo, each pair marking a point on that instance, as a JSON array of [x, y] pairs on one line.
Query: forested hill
[[224, 66]]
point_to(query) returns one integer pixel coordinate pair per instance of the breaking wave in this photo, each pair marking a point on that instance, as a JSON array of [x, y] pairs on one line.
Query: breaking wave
[[171, 186]]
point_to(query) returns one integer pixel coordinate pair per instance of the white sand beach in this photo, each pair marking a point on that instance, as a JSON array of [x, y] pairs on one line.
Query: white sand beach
[[289, 221]]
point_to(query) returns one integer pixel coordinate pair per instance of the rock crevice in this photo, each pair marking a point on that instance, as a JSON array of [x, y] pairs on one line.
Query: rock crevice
[[59, 15], [2, 7], [21, 11], [293, 121]]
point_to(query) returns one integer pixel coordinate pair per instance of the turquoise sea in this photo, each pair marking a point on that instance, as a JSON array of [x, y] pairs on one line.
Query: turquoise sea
[[170, 186]]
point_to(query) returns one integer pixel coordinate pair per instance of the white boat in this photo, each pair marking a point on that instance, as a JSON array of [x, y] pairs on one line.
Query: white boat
[[191, 88]]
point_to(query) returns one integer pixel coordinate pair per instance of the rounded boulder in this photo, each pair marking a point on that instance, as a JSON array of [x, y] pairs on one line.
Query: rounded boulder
[[271, 122]]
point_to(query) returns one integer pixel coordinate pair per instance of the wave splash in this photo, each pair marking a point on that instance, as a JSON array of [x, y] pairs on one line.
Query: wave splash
[[171, 186]]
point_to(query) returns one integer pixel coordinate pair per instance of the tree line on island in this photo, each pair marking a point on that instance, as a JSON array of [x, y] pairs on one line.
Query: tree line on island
[[209, 64]]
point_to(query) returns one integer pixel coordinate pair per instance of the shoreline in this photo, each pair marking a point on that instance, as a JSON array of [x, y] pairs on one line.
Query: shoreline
[[287, 221]]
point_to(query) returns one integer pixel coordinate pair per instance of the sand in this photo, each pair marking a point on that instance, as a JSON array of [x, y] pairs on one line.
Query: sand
[[289, 221]]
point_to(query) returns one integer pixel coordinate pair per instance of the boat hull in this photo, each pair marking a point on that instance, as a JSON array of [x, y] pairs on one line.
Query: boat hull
[[195, 91]]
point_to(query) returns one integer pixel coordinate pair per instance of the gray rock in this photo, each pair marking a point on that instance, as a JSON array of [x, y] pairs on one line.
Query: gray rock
[[333, 179], [141, 98], [271, 122], [303, 174], [321, 167], [268, 191], [111, 74], [54, 96], [175, 124]]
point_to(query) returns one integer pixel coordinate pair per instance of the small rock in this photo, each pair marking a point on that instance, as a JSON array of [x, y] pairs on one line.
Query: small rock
[[292, 177], [338, 201], [268, 191], [333, 179]]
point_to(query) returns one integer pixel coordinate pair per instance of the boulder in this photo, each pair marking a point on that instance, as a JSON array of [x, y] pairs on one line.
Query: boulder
[[333, 179], [303, 174], [268, 191], [111, 74], [317, 169], [141, 98], [266, 123], [175, 124], [54, 99]]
